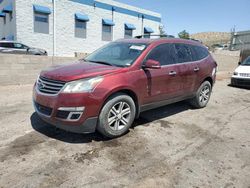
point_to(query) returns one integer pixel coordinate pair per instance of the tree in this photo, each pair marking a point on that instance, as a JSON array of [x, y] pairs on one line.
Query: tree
[[183, 34], [161, 29]]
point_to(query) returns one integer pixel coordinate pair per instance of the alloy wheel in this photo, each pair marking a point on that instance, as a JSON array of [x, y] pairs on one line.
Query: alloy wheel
[[204, 94], [119, 116]]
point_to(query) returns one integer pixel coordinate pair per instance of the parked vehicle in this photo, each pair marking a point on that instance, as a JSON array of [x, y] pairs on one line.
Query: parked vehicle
[[12, 47], [110, 88], [218, 46], [244, 53], [241, 75]]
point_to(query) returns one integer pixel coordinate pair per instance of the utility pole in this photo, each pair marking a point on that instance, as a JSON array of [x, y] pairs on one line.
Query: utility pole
[[54, 28], [142, 25]]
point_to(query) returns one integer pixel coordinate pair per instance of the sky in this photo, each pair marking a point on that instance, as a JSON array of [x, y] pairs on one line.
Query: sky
[[199, 15]]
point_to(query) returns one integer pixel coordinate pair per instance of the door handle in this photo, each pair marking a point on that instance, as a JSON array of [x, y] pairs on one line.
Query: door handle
[[172, 73], [196, 69]]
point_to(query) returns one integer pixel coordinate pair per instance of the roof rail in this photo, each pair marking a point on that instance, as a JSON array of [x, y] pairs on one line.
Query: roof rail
[[154, 35]]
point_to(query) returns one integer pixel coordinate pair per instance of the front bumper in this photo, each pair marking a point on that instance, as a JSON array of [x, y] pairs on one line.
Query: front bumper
[[242, 82], [88, 126], [71, 112]]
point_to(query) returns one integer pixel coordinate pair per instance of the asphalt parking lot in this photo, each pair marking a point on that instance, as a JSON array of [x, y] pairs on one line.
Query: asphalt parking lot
[[172, 146]]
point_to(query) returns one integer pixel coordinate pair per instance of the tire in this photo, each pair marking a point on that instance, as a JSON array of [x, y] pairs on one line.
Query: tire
[[202, 95], [112, 122]]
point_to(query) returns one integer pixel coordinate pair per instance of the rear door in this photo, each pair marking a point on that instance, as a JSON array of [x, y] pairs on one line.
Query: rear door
[[188, 68], [204, 63], [164, 83]]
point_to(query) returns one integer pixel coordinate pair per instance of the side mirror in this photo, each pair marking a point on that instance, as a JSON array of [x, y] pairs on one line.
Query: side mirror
[[239, 63], [152, 64]]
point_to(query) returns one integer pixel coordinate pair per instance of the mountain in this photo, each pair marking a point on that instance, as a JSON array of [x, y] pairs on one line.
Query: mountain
[[210, 38]]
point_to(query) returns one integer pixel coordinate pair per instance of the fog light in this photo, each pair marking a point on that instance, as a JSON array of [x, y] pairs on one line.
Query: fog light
[[75, 116], [70, 113]]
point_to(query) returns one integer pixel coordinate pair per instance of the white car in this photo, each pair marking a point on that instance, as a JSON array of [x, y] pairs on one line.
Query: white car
[[241, 75]]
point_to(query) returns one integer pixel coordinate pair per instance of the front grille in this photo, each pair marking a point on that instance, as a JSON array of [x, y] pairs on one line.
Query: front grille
[[48, 86], [245, 74], [43, 109], [241, 82]]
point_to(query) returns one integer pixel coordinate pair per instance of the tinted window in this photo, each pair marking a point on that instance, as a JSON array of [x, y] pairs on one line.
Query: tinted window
[[183, 53], [164, 53], [200, 52], [6, 45]]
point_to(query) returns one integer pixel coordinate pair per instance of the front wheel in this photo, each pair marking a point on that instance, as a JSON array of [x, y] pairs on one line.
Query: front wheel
[[116, 116], [202, 95]]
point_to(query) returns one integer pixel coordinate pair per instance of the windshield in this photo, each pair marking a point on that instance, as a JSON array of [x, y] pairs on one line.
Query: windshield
[[117, 54], [246, 62]]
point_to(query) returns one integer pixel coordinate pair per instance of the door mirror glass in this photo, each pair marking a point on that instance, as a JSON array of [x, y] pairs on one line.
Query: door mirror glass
[[152, 64]]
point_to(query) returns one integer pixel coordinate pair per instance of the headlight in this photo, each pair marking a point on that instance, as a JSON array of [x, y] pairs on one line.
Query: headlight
[[81, 86], [235, 73]]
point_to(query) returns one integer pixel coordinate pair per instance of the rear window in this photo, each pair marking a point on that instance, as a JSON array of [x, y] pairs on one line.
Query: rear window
[[199, 52], [6, 45]]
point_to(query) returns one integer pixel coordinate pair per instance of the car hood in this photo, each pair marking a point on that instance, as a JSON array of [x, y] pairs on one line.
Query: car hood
[[77, 70], [243, 69], [37, 50]]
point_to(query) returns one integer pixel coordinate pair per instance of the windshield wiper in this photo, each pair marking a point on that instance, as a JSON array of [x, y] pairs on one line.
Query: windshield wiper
[[101, 62]]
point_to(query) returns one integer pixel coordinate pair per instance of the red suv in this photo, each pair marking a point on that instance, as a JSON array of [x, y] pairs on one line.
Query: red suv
[[108, 89]]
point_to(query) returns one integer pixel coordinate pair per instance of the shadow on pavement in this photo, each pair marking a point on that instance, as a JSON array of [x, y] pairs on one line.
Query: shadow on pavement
[[162, 112], [146, 117], [239, 87], [49, 130]]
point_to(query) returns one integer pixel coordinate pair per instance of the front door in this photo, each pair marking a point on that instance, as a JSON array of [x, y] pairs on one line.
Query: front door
[[164, 83]]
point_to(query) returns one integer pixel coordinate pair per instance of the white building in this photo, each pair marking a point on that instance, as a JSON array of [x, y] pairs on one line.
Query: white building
[[81, 26]]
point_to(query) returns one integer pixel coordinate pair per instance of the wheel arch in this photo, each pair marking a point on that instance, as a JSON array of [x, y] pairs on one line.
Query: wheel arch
[[128, 92], [209, 79]]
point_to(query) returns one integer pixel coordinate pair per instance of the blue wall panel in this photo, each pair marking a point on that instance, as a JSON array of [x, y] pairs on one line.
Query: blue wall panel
[[117, 9]]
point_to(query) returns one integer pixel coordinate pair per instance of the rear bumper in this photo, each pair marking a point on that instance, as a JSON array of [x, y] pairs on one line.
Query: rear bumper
[[242, 82]]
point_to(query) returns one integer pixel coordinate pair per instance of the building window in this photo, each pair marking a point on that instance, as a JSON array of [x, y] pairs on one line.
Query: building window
[[41, 23], [147, 32], [128, 33], [107, 29], [128, 30], [107, 32], [80, 29], [146, 35]]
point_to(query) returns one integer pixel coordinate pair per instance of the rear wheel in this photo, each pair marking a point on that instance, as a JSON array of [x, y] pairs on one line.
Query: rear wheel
[[202, 95], [116, 116]]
